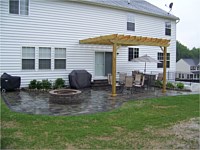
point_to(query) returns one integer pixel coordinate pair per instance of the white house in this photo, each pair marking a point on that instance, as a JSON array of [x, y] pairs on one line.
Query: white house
[[188, 68], [40, 38]]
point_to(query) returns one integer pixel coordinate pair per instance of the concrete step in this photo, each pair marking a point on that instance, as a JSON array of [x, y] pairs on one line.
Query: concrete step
[[100, 83]]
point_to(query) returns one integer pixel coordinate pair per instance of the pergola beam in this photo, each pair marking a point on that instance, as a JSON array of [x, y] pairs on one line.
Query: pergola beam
[[125, 40]]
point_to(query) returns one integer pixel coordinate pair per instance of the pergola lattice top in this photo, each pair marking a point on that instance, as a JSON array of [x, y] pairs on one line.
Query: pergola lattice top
[[126, 40]]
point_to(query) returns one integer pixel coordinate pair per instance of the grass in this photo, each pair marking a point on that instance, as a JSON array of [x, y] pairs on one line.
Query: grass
[[130, 126]]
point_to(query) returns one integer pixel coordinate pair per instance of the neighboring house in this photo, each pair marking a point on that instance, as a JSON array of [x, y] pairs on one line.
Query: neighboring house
[[40, 38], [188, 68]]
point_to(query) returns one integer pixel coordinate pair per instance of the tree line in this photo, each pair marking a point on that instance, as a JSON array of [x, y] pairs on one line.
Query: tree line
[[183, 52]]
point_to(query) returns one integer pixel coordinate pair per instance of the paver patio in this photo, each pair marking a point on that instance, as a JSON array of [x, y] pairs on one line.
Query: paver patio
[[94, 100]]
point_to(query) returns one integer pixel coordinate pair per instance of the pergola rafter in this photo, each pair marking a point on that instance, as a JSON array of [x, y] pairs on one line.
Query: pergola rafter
[[125, 40], [117, 40]]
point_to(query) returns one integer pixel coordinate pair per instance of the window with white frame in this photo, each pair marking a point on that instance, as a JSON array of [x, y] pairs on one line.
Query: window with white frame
[[198, 67], [168, 28], [133, 53], [161, 59], [130, 23], [28, 58], [19, 7], [192, 67], [60, 58], [44, 58]]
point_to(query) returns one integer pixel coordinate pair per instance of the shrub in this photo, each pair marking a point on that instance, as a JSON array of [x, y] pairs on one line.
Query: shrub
[[46, 84], [170, 85], [59, 83], [180, 85], [39, 85], [33, 84], [158, 83]]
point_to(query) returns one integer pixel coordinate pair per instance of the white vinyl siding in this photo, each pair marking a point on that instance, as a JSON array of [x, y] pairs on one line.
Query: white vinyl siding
[[60, 58], [28, 58], [55, 29], [44, 58]]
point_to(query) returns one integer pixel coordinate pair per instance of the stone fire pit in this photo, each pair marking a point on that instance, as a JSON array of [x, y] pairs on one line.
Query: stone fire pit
[[65, 96]]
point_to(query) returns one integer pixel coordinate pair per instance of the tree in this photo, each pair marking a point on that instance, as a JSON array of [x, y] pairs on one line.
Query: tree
[[183, 52]]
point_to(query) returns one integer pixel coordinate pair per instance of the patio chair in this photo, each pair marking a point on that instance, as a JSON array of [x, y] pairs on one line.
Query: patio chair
[[122, 77], [139, 81], [160, 77], [149, 81], [128, 84], [152, 81], [110, 80], [134, 73]]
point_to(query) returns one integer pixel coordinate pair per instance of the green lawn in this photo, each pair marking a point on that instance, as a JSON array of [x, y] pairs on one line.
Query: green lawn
[[130, 126]]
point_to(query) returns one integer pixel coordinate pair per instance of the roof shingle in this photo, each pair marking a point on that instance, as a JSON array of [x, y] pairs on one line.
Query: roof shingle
[[137, 5]]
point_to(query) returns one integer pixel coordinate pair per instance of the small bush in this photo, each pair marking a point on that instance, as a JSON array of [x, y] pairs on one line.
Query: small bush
[[59, 83], [170, 85], [33, 84], [39, 85], [180, 85], [158, 83], [46, 84]]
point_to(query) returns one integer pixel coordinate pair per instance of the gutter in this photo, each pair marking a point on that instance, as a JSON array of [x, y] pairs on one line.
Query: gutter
[[89, 2]]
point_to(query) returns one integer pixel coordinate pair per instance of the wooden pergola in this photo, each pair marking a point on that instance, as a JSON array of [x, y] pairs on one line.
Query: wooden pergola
[[117, 40]]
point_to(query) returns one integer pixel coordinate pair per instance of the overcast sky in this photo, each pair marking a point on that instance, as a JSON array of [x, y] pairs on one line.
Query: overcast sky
[[188, 29]]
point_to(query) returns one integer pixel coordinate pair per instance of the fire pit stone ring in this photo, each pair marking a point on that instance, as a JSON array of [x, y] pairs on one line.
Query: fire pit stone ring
[[65, 96]]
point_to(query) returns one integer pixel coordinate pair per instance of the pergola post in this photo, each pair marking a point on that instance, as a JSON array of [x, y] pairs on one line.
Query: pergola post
[[164, 69], [114, 69]]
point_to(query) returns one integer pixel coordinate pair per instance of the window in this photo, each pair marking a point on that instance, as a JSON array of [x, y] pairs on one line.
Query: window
[[168, 28], [192, 67], [28, 58], [160, 58], [179, 75], [130, 23], [60, 58], [198, 67], [44, 58], [191, 76], [133, 53], [19, 7]]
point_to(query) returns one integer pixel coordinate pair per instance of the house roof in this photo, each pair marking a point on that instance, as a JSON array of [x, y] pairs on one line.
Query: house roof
[[139, 6], [192, 62], [125, 40]]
